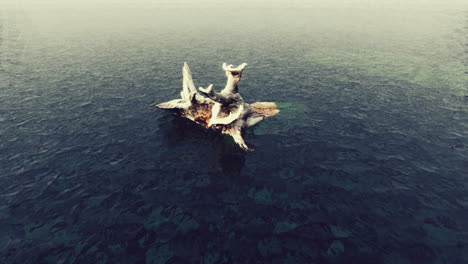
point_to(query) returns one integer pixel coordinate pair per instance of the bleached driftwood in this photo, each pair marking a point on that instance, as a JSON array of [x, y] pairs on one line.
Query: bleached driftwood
[[226, 111]]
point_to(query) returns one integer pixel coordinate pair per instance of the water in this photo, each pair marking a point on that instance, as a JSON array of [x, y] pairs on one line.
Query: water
[[366, 163]]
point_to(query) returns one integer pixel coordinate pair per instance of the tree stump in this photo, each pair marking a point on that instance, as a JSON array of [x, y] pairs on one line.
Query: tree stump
[[226, 112]]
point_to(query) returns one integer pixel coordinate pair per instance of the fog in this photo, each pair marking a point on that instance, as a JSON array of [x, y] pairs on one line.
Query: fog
[[238, 4], [257, 13], [348, 31]]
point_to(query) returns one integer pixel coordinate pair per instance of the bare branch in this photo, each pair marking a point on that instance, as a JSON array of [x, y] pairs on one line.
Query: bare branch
[[233, 75], [226, 111]]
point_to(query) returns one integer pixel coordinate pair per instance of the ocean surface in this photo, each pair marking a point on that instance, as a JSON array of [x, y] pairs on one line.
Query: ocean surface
[[367, 162]]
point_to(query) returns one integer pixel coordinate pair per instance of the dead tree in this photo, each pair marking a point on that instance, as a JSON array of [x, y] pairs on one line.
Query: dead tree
[[226, 112]]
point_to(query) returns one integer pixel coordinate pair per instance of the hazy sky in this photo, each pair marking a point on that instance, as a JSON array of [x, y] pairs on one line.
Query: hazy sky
[[236, 3]]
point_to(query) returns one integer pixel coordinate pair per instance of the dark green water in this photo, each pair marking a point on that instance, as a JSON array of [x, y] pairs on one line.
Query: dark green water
[[366, 163]]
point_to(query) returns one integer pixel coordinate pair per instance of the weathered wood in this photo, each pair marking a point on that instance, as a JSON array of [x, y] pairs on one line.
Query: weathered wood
[[225, 111]]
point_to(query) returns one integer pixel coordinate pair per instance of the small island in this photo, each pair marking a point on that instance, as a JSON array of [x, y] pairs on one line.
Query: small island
[[226, 111]]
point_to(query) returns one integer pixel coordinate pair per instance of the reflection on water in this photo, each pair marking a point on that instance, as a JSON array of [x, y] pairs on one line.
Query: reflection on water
[[232, 164], [183, 133]]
